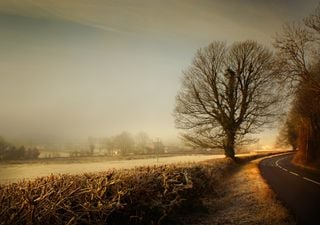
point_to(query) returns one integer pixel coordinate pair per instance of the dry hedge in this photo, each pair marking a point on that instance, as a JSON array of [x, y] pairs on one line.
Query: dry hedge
[[144, 195]]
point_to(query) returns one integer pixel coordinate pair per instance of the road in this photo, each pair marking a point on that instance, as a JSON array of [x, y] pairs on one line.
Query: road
[[298, 189]]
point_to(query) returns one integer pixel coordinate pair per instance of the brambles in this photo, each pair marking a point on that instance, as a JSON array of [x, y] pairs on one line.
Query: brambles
[[145, 195]]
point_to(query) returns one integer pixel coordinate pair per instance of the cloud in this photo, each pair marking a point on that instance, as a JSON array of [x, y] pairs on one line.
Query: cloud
[[174, 19]]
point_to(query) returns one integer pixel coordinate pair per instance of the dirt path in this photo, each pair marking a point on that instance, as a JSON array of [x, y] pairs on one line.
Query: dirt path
[[243, 198]]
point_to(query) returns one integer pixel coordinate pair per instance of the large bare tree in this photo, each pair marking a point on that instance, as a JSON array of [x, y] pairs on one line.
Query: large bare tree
[[227, 93]]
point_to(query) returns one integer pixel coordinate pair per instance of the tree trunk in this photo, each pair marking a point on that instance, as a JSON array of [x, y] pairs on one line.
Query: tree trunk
[[229, 146]]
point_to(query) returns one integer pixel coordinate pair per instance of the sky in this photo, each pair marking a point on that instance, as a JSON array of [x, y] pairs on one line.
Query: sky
[[78, 68]]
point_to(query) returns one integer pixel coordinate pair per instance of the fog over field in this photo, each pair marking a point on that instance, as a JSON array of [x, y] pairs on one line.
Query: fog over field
[[74, 69]]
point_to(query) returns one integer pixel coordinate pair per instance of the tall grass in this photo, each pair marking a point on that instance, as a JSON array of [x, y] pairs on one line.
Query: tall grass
[[145, 195]]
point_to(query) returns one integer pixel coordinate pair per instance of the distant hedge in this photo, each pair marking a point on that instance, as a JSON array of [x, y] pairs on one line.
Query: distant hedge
[[11, 152]]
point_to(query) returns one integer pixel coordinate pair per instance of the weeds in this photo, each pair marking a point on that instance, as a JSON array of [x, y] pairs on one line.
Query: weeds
[[145, 195]]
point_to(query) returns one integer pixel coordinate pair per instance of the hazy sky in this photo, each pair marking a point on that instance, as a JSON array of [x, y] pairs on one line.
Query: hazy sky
[[78, 68]]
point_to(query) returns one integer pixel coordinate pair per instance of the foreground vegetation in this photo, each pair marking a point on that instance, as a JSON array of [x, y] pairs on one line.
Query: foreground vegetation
[[144, 195], [139, 196]]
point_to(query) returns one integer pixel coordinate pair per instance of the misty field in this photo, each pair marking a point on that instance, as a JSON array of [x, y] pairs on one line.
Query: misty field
[[15, 172]]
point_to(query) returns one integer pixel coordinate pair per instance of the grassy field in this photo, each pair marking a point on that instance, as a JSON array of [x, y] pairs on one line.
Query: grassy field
[[18, 171], [85, 159], [144, 195]]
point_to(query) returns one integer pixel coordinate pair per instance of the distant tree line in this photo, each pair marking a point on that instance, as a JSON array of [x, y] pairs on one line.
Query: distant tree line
[[78, 153], [126, 143], [298, 68], [10, 152], [122, 144]]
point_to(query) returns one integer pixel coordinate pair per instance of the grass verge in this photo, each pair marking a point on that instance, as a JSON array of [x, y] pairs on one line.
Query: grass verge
[[242, 198]]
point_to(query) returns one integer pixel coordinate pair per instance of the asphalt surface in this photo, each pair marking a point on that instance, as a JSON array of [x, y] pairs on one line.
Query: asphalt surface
[[298, 189]]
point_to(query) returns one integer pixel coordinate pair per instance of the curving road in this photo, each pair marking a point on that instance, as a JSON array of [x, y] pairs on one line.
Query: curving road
[[297, 188]]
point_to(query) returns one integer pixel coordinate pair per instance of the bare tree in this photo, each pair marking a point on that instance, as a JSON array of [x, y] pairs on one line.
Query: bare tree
[[124, 142], [298, 52], [313, 23], [226, 94], [294, 56], [288, 134], [142, 139], [299, 66], [313, 20]]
